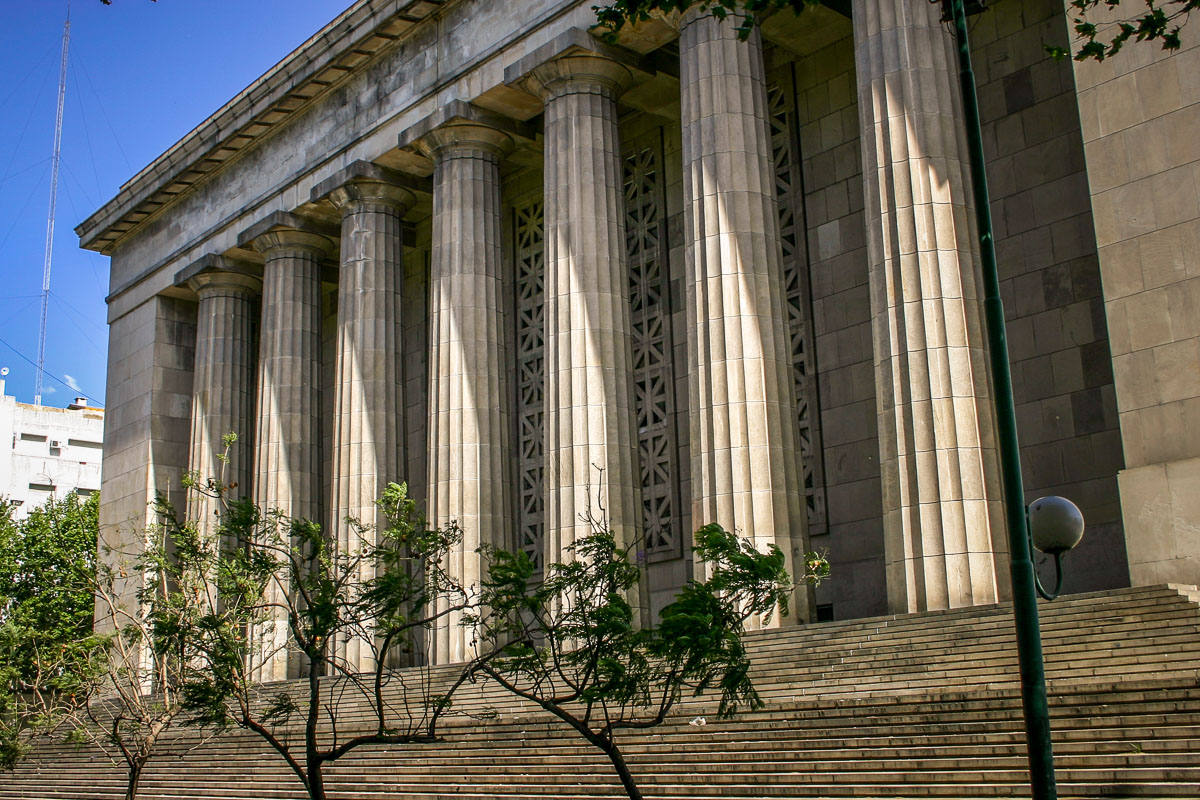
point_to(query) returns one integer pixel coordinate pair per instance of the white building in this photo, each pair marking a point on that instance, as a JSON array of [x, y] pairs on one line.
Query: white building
[[48, 451]]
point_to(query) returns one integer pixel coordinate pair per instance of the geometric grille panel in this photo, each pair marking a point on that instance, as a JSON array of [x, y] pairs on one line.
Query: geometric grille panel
[[653, 376], [795, 278], [531, 379]]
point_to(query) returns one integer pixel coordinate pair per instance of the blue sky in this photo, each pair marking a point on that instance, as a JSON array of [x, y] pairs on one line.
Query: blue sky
[[140, 75]]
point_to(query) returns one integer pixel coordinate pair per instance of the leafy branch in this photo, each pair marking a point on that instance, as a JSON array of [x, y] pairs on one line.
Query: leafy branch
[[571, 645], [1162, 22], [306, 600]]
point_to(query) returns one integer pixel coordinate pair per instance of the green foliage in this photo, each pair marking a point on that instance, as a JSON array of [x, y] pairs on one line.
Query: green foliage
[[1161, 21], [571, 643], [117, 689], [747, 12], [47, 562], [286, 582], [47, 567], [150, 604]]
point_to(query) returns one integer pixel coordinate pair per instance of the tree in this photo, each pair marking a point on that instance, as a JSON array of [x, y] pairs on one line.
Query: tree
[[140, 659], [570, 644], [118, 688], [47, 568], [47, 562], [288, 570]]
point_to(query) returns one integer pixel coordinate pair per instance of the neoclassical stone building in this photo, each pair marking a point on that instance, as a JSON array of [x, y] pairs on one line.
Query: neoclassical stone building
[[681, 277]]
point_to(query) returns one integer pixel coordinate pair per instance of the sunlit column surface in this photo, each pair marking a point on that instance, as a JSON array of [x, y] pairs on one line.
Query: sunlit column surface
[[943, 520], [222, 388], [369, 400], [591, 438], [288, 436], [469, 474], [744, 442]]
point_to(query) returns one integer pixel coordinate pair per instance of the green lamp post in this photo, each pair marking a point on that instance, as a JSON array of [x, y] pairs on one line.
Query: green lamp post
[[1051, 514]]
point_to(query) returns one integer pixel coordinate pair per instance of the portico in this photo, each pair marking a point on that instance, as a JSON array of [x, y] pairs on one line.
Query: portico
[[554, 281]]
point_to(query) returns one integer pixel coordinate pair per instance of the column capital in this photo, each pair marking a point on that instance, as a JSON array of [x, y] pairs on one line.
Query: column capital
[[283, 232], [459, 126], [357, 193], [215, 264], [579, 72], [364, 183], [458, 138], [222, 281], [573, 62]]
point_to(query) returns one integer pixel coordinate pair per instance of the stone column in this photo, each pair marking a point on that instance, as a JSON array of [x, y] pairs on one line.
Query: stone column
[[369, 401], [288, 435], [744, 442], [222, 387], [943, 522], [469, 452], [591, 435]]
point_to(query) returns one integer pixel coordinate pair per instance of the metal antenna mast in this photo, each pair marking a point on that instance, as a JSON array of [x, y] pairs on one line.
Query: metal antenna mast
[[58, 124]]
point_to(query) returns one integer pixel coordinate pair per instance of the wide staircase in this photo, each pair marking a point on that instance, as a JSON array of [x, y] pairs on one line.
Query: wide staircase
[[911, 706]]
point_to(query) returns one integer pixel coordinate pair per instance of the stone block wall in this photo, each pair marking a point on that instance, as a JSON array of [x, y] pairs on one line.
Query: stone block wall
[[1050, 278], [1140, 115], [149, 389]]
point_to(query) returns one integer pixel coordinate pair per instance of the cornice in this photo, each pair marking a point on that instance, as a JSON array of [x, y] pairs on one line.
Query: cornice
[[323, 62]]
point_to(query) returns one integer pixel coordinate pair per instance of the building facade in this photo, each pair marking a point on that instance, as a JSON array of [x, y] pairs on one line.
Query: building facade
[[48, 452], [673, 279]]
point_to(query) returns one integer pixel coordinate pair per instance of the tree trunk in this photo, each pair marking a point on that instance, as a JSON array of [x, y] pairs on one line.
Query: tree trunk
[[135, 777], [618, 761], [316, 782]]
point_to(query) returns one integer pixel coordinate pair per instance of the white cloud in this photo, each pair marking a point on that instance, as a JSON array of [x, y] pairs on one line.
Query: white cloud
[[48, 390], [74, 384]]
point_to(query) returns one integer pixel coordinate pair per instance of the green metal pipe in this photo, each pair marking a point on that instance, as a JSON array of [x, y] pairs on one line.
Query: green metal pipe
[[1025, 612]]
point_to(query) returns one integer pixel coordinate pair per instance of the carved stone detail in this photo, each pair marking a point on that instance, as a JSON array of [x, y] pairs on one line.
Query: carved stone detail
[[653, 375], [529, 230]]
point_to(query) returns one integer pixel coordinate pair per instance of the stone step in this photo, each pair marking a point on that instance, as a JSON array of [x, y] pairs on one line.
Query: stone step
[[908, 706]]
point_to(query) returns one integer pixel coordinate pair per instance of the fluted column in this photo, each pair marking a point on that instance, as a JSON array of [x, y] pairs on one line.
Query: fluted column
[[369, 400], [288, 434], [591, 434], [942, 515], [469, 452], [744, 442], [222, 388]]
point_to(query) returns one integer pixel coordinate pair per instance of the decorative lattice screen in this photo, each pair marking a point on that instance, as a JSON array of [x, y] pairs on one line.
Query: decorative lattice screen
[[531, 379], [796, 285], [653, 375]]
